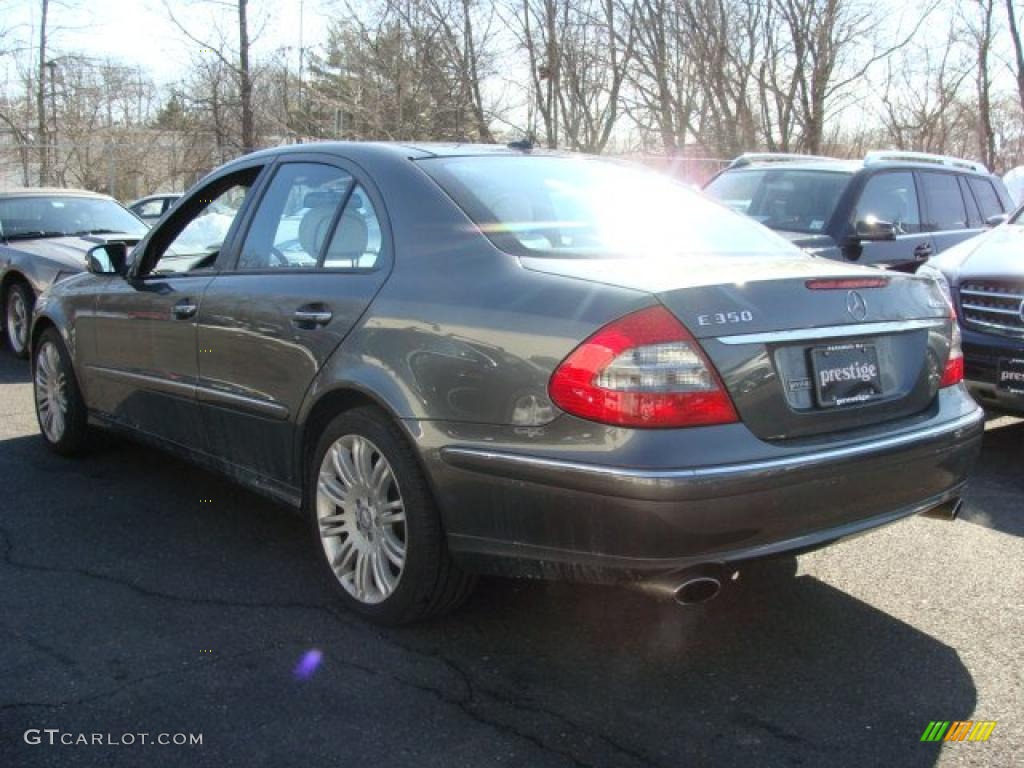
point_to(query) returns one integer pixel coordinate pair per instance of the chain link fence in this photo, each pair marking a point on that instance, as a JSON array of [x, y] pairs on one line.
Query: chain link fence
[[125, 167]]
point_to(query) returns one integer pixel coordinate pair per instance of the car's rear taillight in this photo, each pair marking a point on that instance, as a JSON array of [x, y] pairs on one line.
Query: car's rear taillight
[[954, 370], [642, 370]]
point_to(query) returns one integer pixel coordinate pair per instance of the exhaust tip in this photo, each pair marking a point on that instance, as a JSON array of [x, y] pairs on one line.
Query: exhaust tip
[[699, 589], [947, 510]]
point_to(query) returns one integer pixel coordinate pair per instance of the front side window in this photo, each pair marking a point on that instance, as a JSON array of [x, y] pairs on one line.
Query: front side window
[[295, 217], [891, 197], [944, 202], [193, 239], [22, 218], [792, 200], [561, 206]]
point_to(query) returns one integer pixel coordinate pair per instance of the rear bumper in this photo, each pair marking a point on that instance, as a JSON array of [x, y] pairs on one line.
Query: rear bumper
[[558, 518]]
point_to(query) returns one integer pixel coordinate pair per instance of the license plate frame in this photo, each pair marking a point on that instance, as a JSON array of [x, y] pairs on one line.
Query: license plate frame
[[846, 385], [1015, 366]]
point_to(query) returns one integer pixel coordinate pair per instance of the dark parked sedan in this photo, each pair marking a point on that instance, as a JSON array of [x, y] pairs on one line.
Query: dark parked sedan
[[44, 235], [461, 359]]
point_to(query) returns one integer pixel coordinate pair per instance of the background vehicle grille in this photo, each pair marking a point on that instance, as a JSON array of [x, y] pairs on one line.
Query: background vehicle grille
[[994, 305]]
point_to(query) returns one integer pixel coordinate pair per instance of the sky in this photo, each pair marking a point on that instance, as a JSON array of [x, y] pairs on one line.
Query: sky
[[139, 32]]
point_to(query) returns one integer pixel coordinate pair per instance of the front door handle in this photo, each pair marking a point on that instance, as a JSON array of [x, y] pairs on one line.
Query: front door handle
[[308, 317], [923, 251], [184, 309]]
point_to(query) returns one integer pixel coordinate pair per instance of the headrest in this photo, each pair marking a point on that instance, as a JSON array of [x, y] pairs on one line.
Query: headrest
[[313, 228], [351, 238]]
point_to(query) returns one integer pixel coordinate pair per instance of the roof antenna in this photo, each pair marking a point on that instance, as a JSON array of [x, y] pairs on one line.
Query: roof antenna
[[523, 144]]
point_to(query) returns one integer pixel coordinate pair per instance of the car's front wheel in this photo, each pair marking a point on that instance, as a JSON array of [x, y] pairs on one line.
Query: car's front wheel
[[376, 525], [60, 408], [17, 315]]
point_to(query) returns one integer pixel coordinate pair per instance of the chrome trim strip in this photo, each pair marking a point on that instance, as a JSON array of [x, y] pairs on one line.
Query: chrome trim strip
[[994, 310], [993, 294], [149, 381], [832, 332], [242, 402], [483, 460], [192, 390], [1012, 330]]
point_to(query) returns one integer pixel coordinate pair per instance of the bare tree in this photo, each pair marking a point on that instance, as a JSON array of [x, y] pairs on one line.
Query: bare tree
[[235, 61], [579, 52], [1018, 48], [923, 106], [979, 21]]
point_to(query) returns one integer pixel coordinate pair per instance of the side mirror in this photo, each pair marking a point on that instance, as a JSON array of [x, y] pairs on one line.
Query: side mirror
[[873, 228], [107, 259], [995, 221]]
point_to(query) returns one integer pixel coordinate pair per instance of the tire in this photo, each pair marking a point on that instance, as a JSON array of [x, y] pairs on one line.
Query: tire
[[60, 409], [362, 518], [18, 303]]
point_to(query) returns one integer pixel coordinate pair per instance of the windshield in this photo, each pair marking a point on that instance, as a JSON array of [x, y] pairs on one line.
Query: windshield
[[27, 217], [791, 200], [560, 206]]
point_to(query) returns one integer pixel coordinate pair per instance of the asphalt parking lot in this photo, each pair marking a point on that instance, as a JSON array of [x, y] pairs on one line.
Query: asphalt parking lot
[[141, 595]]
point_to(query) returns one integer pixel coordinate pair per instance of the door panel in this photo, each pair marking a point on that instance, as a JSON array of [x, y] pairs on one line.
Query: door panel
[[146, 363], [266, 329], [892, 196], [145, 368], [946, 212]]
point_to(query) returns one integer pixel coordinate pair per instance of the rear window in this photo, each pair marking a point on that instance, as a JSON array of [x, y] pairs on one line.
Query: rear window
[[560, 206], [792, 200]]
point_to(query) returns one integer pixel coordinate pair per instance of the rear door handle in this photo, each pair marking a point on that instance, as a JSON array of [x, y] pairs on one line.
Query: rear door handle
[[923, 251], [312, 316], [184, 309]]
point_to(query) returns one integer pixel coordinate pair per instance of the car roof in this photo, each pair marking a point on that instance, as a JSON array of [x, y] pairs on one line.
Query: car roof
[[852, 166], [411, 150], [51, 192]]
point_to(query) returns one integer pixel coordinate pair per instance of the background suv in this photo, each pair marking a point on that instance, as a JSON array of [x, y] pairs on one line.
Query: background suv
[[892, 210], [984, 278]]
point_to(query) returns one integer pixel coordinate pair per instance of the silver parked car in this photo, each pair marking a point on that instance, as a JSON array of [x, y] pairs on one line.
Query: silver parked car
[[44, 235], [463, 359], [151, 207]]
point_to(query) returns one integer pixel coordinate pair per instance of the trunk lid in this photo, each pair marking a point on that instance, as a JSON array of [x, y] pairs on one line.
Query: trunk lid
[[801, 350]]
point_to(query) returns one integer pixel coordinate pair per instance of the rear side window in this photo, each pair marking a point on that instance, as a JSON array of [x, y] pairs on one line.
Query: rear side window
[[944, 202], [357, 240], [149, 208], [986, 196], [295, 217], [891, 197]]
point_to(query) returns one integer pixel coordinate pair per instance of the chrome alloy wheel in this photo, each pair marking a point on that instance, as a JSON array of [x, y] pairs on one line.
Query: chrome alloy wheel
[[361, 519], [17, 320], [51, 392]]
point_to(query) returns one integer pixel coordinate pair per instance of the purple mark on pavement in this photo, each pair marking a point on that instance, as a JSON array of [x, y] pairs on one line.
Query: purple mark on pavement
[[308, 664]]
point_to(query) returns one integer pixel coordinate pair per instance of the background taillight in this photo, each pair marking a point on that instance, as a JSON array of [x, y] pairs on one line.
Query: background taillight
[[954, 370], [642, 370]]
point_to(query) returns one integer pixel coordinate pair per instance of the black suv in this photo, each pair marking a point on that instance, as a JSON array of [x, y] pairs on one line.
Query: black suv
[[891, 209]]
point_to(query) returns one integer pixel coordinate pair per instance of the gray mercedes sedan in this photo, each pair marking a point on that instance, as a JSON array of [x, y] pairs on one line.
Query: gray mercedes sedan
[[464, 359]]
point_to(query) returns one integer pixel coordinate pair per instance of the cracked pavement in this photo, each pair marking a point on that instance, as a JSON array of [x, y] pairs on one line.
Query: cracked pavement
[[114, 576]]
